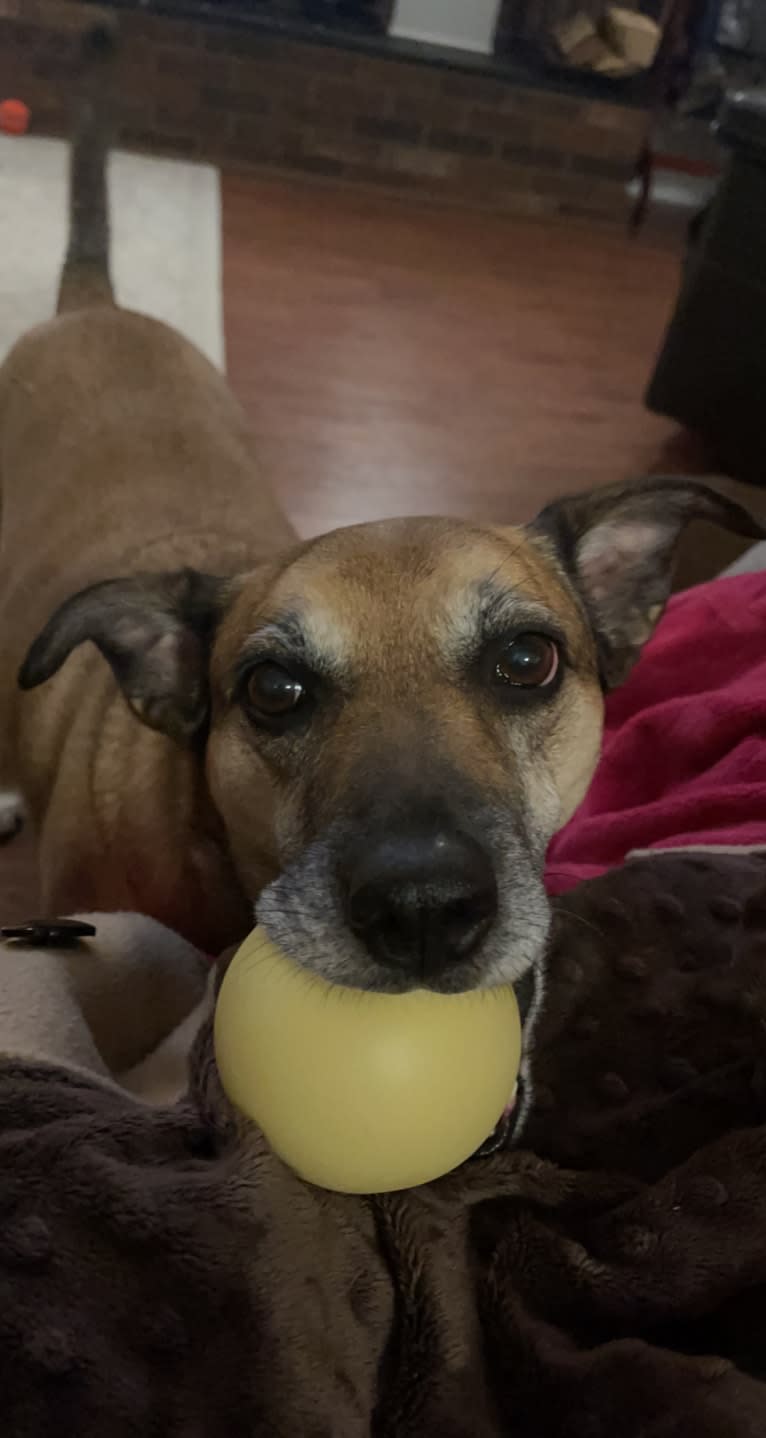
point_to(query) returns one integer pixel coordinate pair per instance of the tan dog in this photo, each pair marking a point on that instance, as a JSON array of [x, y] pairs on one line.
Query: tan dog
[[377, 732]]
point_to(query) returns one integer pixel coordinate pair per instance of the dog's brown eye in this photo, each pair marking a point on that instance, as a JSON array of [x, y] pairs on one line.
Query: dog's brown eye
[[530, 661], [273, 692]]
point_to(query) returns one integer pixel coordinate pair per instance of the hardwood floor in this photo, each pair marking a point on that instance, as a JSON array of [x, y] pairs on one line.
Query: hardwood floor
[[400, 358]]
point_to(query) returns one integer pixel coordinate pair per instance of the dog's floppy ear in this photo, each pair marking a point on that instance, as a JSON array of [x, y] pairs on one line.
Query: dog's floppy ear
[[155, 630], [618, 544]]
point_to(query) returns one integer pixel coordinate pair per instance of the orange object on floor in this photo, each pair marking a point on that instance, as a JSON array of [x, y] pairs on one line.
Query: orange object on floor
[[14, 117]]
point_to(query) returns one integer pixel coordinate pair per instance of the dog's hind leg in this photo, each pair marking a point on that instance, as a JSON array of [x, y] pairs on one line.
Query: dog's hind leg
[[85, 281]]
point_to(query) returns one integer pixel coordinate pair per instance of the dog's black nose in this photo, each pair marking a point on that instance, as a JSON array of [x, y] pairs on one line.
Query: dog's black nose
[[421, 901]]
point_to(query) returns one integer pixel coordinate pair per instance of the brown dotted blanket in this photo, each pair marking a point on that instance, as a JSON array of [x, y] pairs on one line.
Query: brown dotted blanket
[[161, 1273]]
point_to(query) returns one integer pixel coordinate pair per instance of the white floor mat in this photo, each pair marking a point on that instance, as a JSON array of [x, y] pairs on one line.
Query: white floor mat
[[166, 239]]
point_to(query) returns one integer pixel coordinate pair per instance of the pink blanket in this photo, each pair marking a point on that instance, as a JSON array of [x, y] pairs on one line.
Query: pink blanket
[[684, 759]]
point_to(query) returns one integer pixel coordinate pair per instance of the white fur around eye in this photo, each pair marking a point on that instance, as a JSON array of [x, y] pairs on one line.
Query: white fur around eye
[[329, 636]]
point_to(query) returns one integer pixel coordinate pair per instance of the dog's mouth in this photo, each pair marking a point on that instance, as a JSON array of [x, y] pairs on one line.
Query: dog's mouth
[[304, 914]]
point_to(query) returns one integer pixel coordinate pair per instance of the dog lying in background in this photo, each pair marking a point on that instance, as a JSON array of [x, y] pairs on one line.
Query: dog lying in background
[[374, 733]]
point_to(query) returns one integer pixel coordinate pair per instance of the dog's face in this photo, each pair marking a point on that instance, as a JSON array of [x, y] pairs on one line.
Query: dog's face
[[395, 719], [417, 707]]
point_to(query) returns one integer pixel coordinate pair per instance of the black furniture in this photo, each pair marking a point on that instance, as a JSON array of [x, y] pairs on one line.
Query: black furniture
[[711, 372]]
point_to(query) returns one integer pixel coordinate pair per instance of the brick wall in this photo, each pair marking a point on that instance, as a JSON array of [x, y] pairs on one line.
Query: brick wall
[[249, 98]]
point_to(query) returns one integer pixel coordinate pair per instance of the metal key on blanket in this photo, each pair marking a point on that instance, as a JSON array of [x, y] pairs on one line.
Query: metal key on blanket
[[48, 933]]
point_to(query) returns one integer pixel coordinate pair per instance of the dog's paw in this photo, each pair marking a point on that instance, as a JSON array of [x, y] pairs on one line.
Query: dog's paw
[[11, 814]]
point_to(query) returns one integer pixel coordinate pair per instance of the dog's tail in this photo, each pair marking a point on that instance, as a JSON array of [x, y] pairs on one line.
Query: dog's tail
[[85, 278]]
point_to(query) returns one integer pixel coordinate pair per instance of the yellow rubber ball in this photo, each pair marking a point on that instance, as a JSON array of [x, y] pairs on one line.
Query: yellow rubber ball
[[363, 1092]]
